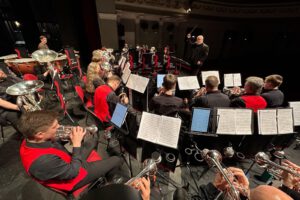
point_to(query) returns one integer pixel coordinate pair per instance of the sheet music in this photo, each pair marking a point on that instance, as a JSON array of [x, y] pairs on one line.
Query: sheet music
[[285, 120], [226, 121], [188, 83], [119, 115], [244, 121], [126, 74], [205, 74], [231, 80], [267, 122], [137, 83], [237, 81], [149, 130], [296, 111], [169, 131], [159, 129]]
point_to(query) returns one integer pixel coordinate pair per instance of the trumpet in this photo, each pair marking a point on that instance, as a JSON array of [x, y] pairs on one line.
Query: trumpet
[[263, 160], [150, 168], [213, 158], [63, 132]]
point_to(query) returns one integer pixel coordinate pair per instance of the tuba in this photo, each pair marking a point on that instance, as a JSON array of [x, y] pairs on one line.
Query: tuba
[[27, 98], [46, 56]]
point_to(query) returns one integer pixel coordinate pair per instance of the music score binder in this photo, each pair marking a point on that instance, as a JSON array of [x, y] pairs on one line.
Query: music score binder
[[275, 121], [200, 120], [119, 115], [232, 80], [234, 121], [295, 105], [159, 129]]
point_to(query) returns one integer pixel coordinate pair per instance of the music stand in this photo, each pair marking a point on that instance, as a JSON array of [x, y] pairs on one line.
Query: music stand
[[117, 120]]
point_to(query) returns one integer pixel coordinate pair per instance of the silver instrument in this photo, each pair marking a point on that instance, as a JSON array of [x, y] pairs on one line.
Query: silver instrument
[[26, 92], [63, 132], [46, 56], [229, 152], [170, 157], [263, 160], [150, 167], [197, 154], [214, 158]]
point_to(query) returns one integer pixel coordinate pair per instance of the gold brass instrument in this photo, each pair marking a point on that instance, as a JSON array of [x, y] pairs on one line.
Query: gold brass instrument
[[27, 96], [213, 158], [63, 132], [263, 160]]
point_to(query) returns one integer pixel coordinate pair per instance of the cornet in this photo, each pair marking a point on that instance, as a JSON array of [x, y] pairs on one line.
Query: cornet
[[213, 158], [263, 160], [63, 132]]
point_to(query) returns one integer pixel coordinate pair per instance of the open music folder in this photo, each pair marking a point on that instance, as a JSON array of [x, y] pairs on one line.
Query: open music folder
[[205, 74], [159, 129], [125, 74], [232, 80], [296, 111], [234, 121], [188, 83], [137, 83], [275, 121]]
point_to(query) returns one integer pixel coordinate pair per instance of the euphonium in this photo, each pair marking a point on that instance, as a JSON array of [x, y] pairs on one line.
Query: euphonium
[[63, 132], [262, 159], [29, 102], [213, 158]]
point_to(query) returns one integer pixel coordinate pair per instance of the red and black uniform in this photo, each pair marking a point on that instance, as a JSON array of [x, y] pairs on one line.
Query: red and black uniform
[[254, 102], [52, 165], [101, 105]]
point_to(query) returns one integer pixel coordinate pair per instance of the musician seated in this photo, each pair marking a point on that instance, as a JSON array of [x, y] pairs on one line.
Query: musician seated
[[9, 110], [105, 98], [210, 96], [291, 183], [271, 92], [166, 103], [251, 98], [48, 162]]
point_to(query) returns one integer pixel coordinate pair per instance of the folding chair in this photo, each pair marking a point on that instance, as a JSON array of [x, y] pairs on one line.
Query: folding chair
[[73, 61]]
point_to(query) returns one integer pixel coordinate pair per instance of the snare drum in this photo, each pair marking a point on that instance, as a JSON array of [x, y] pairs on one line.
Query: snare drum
[[23, 65]]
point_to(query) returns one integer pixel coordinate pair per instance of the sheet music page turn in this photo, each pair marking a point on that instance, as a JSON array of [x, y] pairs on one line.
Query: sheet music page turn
[[169, 132], [267, 122], [149, 130], [285, 121], [137, 83], [226, 121]]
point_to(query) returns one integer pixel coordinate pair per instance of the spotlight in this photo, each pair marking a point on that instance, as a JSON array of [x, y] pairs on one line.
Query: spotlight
[[189, 10]]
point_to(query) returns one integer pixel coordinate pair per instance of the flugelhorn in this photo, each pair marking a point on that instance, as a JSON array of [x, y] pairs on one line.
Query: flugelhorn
[[263, 160], [214, 158], [63, 132]]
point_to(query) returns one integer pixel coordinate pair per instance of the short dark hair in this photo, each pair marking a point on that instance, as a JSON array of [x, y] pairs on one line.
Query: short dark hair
[[31, 123], [275, 79], [211, 82], [169, 81], [114, 78]]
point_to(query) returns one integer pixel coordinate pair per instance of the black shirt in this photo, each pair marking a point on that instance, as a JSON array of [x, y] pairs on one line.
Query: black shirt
[[166, 105], [211, 100], [274, 98]]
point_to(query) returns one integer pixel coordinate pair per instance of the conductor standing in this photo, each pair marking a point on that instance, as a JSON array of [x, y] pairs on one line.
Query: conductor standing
[[199, 53]]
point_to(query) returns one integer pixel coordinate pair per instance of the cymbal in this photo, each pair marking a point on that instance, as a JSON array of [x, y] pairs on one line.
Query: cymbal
[[22, 60], [24, 87], [10, 56]]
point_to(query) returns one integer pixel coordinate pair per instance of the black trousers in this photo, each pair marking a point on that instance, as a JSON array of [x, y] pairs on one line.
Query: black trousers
[[11, 116], [97, 169]]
